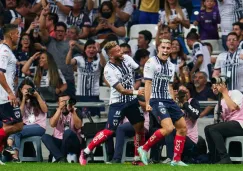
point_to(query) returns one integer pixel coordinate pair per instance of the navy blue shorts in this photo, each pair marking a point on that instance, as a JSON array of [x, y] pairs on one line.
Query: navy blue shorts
[[118, 111], [165, 109], [10, 115]]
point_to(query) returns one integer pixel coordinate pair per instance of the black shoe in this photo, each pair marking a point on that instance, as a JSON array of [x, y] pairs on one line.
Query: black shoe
[[225, 161], [16, 160], [8, 151], [114, 161], [61, 160]]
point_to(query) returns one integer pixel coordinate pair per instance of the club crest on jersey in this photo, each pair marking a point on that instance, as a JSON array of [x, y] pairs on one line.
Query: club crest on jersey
[[17, 114], [162, 110]]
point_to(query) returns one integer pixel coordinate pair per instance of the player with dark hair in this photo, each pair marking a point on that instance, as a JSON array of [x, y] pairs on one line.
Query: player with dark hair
[[10, 114]]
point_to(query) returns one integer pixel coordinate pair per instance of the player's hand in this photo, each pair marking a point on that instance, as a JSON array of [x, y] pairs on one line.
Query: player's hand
[[148, 108], [141, 92], [13, 100]]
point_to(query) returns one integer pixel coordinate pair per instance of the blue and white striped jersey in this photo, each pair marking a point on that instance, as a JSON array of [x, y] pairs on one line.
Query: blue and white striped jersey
[[115, 74], [161, 75]]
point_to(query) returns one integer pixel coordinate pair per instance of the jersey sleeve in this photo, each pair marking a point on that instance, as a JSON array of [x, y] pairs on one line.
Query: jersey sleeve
[[148, 71], [80, 61], [128, 8], [131, 62], [218, 63], [62, 77], [198, 49], [4, 57], [110, 77], [237, 97], [185, 14]]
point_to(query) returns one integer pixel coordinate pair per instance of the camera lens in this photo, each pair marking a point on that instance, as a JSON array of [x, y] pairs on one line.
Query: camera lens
[[31, 91]]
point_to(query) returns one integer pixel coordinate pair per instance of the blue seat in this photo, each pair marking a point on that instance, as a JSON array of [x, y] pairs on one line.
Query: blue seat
[[36, 140]]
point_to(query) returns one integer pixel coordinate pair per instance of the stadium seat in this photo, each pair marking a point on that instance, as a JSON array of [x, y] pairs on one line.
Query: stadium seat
[[36, 140], [135, 29], [235, 139], [105, 93]]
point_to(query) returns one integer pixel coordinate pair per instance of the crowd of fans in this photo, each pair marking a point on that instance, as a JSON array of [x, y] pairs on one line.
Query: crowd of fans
[[50, 54]]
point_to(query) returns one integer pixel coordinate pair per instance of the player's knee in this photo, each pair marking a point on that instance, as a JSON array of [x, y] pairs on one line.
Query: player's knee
[[168, 129], [182, 130]]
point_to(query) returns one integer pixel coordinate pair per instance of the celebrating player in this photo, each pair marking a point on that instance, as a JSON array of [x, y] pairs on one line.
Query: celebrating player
[[158, 74], [118, 73], [10, 114]]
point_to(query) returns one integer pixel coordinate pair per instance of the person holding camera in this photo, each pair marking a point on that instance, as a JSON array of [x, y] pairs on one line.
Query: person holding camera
[[231, 110], [67, 123], [34, 110]]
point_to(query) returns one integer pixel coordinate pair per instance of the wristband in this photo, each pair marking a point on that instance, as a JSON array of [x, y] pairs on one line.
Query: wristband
[[135, 92]]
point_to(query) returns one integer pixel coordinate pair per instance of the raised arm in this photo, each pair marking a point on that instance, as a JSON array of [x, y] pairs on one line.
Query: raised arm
[[43, 31]]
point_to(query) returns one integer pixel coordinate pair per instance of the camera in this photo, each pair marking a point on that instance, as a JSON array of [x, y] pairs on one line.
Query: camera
[[71, 102], [31, 91], [219, 80]]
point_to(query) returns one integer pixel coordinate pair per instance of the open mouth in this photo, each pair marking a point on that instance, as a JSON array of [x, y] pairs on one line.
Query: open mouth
[[165, 54]]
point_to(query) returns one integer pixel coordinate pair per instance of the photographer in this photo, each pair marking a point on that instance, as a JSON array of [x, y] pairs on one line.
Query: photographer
[[191, 109], [231, 114], [33, 110], [67, 123]]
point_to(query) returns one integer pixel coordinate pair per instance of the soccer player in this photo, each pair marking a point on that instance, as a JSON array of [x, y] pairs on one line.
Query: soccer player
[[118, 73], [158, 75], [10, 114]]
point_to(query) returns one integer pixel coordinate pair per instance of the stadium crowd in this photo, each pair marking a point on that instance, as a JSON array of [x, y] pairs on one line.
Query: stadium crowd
[[62, 55]]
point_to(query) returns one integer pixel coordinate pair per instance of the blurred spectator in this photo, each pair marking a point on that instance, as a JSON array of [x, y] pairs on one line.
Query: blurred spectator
[[238, 29], [177, 57], [141, 56], [230, 12], [51, 21], [231, 126], [58, 47], [107, 22], [144, 39], [208, 20], [23, 53], [123, 9], [200, 54], [1, 21], [126, 49], [229, 64], [17, 16], [10, 4], [66, 138], [46, 73], [210, 50], [59, 7], [202, 92], [148, 11], [176, 18], [191, 109], [162, 33], [73, 34], [78, 18], [34, 110], [89, 68]]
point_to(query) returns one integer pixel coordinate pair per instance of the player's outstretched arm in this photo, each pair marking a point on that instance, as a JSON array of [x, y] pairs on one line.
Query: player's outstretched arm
[[124, 91], [148, 86]]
